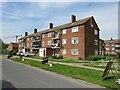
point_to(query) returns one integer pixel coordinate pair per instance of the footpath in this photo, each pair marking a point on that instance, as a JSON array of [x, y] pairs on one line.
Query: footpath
[[70, 64]]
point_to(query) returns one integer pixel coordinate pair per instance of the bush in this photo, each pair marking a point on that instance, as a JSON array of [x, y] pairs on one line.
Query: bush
[[95, 57], [57, 57], [14, 52], [5, 51]]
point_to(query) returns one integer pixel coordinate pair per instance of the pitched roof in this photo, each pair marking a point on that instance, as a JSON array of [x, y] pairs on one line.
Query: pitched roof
[[78, 22], [112, 41], [14, 44]]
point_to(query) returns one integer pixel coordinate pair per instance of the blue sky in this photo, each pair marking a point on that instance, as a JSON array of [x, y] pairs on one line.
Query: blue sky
[[18, 17]]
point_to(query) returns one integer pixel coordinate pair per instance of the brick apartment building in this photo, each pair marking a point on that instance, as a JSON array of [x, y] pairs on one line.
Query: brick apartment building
[[112, 47], [77, 39]]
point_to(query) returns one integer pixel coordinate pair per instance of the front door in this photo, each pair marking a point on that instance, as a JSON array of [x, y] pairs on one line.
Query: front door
[[42, 52]]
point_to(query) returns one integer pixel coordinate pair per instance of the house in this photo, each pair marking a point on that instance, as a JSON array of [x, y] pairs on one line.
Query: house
[[12, 46], [112, 46], [77, 39]]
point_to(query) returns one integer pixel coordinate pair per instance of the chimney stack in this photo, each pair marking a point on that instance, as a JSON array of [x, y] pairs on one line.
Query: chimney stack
[[50, 25], [35, 30], [73, 18], [26, 33], [111, 39]]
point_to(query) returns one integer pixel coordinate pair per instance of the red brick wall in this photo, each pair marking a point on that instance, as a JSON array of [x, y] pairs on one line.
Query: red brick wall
[[90, 38], [46, 39], [69, 46]]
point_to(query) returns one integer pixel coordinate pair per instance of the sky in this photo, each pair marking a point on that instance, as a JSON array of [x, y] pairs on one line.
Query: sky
[[19, 17]]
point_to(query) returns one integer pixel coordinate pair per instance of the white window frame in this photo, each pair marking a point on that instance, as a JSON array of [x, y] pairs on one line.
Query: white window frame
[[96, 32], [43, 35], [113, 48], [75, 29], [72, 40], [107, 44], [63, 41], [73, 51], [107, 49], [96, 42], [96, 52], [64, 51], [49, 34], [64, 31], [49, 43], [28, 39], [113, 44], [43, 43]]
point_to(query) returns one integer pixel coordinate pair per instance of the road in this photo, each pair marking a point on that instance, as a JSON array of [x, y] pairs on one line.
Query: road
[[24, 76]]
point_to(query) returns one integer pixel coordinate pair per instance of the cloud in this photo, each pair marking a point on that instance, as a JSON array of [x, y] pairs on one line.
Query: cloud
[[60, 1], [39, 15]]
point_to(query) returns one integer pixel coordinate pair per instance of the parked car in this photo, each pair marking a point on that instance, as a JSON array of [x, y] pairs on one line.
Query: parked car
[[25, 54], [32, 54], [19, 53]]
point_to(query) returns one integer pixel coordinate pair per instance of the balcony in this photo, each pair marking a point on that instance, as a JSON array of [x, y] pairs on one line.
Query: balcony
[[55, 46], [37, 39], [56, 37], [117, 46]]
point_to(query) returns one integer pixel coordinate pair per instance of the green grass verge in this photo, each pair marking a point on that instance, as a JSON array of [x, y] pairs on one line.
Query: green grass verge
[[101, 64], [88, 75]]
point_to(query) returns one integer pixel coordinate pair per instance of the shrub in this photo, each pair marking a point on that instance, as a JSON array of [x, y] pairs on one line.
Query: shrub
[[57, 57], [95, 57], [14, 52], [5, 51]]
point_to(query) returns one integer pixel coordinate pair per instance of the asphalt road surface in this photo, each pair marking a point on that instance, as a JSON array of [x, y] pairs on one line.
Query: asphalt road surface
[[24, 76]]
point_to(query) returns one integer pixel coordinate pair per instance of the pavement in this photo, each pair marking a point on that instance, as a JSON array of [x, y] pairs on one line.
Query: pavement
[[19, 75]]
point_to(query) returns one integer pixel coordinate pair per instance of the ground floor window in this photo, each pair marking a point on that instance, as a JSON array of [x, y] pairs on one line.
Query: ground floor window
[[75, 51], [96, 52], [64, 51]]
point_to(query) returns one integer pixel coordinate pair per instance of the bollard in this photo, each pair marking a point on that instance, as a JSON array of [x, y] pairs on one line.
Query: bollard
[[22, 59]]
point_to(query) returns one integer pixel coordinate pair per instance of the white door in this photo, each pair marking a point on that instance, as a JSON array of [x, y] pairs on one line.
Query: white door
[[23, 50], [42, 52]]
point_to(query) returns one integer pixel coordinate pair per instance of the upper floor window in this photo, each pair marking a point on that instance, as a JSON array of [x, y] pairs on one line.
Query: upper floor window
[[42, 43], [107, 48], [96, 42], [96, 32], [64, 51], [49, 43], [113, 48], [75, 29], [27, 44], [27, 39], [64, 41], [43, 36], [49, 34], [113, 44], [75, 51], [106, 44], [20, 40], [75, 40], [64, 31]]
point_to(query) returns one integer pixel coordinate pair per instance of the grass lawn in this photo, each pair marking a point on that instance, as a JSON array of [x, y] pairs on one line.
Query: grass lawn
[[88, 75], [102, 64]]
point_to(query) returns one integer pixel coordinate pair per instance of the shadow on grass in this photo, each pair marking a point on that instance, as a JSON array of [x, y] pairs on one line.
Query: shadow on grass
[[109, 77]]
